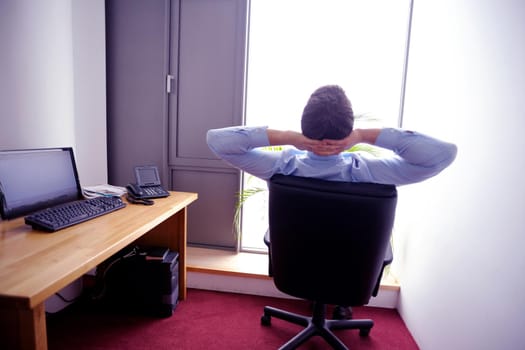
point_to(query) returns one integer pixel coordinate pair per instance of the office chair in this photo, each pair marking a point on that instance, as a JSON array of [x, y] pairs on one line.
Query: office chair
[[327, 245]]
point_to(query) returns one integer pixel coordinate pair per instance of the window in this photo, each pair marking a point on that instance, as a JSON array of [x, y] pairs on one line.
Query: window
[[296, 46]]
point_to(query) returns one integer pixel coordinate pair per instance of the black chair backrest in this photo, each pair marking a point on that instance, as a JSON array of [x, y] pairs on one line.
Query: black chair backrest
[[328, 239]]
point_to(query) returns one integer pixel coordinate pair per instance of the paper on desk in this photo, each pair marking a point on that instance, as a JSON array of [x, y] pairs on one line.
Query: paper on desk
[[103, 190]]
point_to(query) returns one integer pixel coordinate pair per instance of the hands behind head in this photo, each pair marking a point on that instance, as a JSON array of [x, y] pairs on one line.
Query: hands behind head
[[330, 147]]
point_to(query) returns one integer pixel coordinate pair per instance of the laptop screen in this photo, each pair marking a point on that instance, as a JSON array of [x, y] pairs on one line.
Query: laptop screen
[[31, 180]]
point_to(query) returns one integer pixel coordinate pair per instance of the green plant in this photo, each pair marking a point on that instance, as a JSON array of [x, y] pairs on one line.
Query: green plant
[[242, 197]]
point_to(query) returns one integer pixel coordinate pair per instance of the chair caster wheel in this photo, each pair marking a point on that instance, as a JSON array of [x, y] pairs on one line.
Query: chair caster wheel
[[266, 320], [364, 332]]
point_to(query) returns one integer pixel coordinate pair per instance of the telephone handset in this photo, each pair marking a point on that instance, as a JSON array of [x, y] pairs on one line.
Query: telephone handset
[[135, 190], [136, 195]]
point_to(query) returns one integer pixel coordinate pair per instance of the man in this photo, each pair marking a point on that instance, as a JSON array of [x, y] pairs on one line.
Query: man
[[327, 131]]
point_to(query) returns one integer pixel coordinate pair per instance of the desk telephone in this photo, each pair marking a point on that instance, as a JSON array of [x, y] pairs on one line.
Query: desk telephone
[[147, 186]]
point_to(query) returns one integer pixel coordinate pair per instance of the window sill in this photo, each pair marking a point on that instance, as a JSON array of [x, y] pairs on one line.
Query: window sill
[[251, 265], [223, 262]]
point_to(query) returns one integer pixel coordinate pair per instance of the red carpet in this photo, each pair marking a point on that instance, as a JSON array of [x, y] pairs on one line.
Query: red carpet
[[212, 320]]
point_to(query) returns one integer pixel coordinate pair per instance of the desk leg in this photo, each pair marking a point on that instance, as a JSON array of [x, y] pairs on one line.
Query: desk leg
[[23, 328], [182, 227], [171, 233]]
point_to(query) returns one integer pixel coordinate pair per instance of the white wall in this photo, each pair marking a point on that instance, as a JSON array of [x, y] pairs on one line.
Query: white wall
[[89, 65], [463, 282], [52, 85]]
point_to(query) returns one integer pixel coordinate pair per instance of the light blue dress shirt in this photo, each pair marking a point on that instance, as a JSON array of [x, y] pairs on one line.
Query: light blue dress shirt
[[414, 157]]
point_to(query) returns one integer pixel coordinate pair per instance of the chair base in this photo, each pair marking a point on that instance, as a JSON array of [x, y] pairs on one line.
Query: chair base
[[315, 325]]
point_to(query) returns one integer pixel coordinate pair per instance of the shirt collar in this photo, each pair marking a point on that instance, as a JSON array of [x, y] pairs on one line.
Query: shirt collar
[[312, 155]]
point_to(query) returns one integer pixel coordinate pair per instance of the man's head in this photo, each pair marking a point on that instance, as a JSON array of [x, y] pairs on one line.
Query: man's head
[[328, 114]]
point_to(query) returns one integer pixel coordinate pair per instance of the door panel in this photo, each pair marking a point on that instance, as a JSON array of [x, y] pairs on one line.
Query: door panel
[[211, 74], [210, 218], [137, 41]]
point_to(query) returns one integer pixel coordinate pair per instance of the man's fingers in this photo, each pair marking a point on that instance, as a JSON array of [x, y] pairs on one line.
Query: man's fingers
[[325, 149]]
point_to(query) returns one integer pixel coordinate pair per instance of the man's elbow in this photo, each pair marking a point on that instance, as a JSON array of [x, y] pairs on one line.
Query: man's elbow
[[442, 161], [212, 139], [450, 155]]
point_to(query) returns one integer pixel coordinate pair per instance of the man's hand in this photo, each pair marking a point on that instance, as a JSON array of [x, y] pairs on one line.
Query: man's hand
[[299, 141], [356, 136], [322, 147], [338, 146], [293, 138], [329, 147]]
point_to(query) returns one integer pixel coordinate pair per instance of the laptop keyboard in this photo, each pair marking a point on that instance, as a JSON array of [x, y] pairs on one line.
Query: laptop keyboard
[[68, 214]]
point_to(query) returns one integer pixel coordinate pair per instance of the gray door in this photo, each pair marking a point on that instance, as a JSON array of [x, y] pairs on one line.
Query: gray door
[[176, 69]]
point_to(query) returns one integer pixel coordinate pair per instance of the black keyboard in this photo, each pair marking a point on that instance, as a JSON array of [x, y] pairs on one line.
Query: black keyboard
[[68, 214]]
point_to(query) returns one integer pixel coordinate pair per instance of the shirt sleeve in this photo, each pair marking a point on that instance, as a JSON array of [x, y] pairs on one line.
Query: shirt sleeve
[[241, 147], [416, 157]]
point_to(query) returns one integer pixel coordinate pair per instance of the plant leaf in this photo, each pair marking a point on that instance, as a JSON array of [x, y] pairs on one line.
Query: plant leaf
[[242, 197]]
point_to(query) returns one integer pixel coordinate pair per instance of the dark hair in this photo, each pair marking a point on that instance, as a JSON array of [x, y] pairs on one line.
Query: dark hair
[[328, 114]]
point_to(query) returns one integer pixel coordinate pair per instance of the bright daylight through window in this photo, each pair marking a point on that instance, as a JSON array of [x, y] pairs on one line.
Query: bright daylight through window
[[296, 46]]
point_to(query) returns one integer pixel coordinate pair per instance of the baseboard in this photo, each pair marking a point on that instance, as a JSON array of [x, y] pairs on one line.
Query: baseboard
[[247, 273]]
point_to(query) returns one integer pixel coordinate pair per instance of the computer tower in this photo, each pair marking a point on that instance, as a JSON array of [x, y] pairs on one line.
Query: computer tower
[[142, 283]]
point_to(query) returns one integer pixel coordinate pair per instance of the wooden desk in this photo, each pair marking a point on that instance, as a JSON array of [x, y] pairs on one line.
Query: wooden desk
[[34, 265]]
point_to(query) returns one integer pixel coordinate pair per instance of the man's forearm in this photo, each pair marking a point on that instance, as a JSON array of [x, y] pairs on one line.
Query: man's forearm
[[418, 149], [366, 135], [286, 137], [292, 138], [278, 137]]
